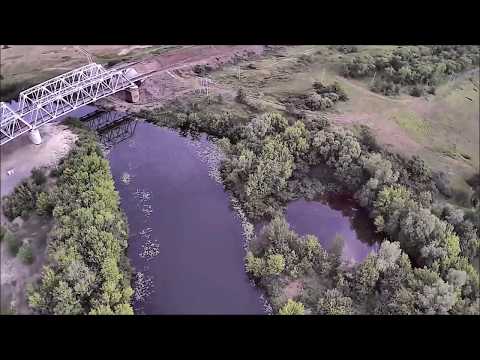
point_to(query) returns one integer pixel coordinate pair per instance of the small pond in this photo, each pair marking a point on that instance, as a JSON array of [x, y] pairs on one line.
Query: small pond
[[334, 215]]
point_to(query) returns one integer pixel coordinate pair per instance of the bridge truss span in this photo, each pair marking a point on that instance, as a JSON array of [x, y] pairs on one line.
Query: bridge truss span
[[59, 96]]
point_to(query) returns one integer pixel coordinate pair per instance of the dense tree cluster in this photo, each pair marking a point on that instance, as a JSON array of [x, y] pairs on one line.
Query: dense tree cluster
[[298, 254], [87, 271], [384, 283], [417, 69], [259, 166]]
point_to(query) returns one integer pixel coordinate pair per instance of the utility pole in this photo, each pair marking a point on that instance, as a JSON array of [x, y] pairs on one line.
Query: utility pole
[[238, 72], [85, 52]]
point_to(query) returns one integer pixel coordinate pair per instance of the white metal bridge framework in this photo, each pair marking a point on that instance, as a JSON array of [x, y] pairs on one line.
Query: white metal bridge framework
[[59, 96]]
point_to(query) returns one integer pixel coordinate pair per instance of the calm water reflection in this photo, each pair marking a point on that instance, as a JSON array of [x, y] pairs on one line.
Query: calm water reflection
[[329, 217], [176, 209]]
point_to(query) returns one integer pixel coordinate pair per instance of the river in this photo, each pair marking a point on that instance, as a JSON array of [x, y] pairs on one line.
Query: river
[[185, 241]]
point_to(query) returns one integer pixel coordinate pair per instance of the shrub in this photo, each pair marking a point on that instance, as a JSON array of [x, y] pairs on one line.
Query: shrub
[[305, 59], [44, 204], [25, 215], [368, 139], [254, 265], [347, 49], [38, 176], [3, 232], [314, 102], [416, 91], [11, 90], [55, 172], [385, 87], [202, 70], [275, 264], [21, 201], [292, 308], [13, 244], [442, 183], [25, 254], [464, 197], [335, 303], [241, 96]]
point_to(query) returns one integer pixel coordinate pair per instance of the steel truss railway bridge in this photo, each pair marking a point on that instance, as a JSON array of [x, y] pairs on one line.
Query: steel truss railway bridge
[[61, 95]]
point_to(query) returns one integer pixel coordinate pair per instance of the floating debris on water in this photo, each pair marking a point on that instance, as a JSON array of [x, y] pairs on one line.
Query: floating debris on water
[[150, 249], [143, 286], [247, 226], [143, 195], [210, 154], [126, 178], [146, 232], [147, 209]]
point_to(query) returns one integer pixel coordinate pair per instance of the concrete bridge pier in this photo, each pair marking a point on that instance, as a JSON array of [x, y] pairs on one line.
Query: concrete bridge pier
[[133, 94], [35, 137]]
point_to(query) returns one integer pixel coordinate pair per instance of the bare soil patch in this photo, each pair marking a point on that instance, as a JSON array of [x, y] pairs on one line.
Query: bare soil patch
[[293, 289], [21, 156]]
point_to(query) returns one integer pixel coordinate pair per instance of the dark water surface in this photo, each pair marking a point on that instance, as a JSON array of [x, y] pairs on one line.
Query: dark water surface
[[336, 215], [175, 207]]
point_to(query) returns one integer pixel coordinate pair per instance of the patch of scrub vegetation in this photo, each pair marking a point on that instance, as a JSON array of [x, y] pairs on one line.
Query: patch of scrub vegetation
[[322, 97], [25, 254], [424, 265], [415, 69], [30, 195], [10, 90], [13, 243], [87, 271]]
